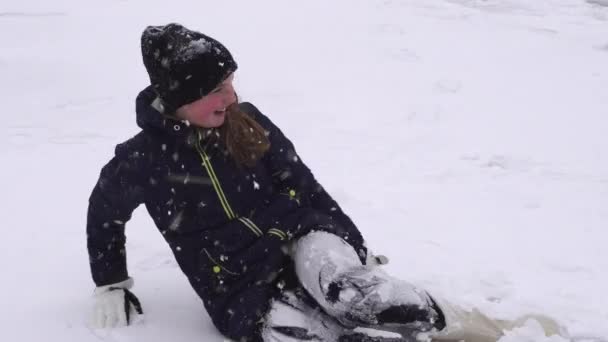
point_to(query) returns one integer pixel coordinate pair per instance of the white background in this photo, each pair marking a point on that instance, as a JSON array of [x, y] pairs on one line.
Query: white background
[[466, 138]]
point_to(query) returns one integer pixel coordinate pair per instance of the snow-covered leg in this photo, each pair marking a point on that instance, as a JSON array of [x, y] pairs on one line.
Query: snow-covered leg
[[355, 294], [295, 317], [291, 319], [361, 337]]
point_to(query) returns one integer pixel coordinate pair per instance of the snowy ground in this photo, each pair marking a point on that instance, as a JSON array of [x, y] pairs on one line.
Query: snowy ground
[[466, 138]]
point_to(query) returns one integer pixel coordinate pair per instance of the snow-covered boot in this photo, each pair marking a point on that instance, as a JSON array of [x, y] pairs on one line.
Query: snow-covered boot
[[359, 295], [370, 297]]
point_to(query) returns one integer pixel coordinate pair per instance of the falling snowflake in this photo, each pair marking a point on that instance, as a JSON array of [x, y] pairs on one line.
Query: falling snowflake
[[174, 225], [165, 62]]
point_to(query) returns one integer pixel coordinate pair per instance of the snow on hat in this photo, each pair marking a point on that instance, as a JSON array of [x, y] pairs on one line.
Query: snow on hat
[[183, 65]]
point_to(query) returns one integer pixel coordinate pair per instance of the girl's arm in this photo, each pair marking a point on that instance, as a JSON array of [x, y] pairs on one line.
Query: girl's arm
[[115, 196], [291, 175]]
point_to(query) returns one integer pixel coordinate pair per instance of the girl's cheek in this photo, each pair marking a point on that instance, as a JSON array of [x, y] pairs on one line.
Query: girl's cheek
[[211, 102], [204, 107]]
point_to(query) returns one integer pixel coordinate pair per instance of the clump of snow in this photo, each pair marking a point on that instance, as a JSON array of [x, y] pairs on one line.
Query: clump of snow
[[194, 48], [531, 331]]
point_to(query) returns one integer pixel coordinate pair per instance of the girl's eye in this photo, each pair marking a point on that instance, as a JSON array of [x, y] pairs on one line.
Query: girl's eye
[[217, 90]]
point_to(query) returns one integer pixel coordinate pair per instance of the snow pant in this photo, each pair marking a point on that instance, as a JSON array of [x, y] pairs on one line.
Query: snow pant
[[303, 313], [294, 318], [306, 315]]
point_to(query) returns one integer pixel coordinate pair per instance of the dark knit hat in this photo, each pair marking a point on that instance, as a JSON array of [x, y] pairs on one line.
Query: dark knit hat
[[183, 65]]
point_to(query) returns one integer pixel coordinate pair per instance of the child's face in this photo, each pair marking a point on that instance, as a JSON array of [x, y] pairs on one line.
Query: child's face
[[210, 110]]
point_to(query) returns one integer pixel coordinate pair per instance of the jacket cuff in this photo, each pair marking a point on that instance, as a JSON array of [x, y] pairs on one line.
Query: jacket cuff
[[125, 284]]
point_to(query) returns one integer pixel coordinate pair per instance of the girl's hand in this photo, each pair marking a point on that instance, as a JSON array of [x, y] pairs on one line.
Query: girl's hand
[[115, 305]]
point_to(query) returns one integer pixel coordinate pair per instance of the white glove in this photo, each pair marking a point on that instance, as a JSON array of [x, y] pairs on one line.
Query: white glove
[[115, 305]]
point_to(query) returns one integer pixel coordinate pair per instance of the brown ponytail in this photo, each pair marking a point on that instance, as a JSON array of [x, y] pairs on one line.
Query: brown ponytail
[[244, 138]]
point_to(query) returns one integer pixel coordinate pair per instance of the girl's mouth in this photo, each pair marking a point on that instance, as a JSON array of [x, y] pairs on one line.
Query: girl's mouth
[[220, 112]]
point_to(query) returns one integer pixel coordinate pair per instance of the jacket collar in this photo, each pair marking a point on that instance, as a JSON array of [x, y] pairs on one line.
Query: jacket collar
[[150, 119]]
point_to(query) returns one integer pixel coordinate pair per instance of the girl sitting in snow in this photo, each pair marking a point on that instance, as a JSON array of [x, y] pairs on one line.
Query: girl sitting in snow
[[267, 249]]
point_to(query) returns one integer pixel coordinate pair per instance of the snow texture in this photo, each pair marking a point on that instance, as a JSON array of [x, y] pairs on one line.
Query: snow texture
[[466, 138]]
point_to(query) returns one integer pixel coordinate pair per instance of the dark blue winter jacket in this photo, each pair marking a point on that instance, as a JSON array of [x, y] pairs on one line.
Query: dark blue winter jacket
[[225, 224]]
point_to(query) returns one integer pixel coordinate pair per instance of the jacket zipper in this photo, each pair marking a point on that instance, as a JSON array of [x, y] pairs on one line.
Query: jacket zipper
[[214, 180]]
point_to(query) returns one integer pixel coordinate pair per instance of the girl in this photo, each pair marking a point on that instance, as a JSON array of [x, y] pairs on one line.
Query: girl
[[270, 253]]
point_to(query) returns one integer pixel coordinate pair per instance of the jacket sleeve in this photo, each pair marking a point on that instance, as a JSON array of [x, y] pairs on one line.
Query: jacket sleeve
[[291, 175], [115, 196]]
